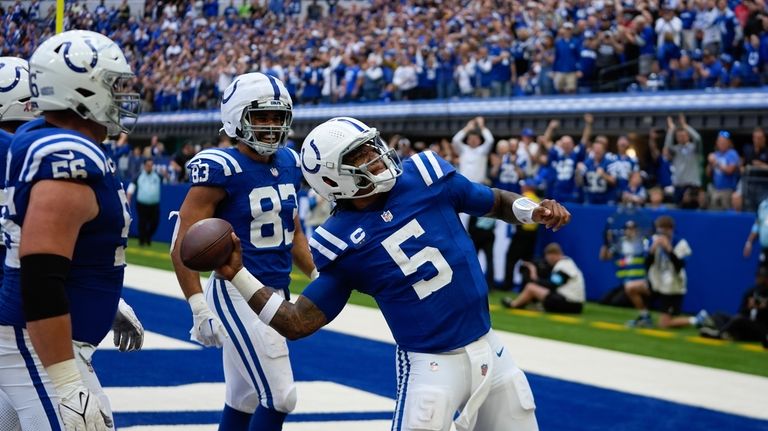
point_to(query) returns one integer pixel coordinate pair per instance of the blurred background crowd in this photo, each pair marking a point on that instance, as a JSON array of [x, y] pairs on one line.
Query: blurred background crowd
[[186, 52]]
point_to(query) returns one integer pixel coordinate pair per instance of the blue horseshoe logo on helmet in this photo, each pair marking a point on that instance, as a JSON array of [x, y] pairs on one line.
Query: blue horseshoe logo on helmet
[[15, 82], [317, 155], [234, 88], [78, 69]]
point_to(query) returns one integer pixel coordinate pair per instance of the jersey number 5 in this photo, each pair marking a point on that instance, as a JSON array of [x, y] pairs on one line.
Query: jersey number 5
[[410, 265]]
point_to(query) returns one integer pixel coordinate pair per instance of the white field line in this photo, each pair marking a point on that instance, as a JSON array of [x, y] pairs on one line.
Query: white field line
[[721, 390]]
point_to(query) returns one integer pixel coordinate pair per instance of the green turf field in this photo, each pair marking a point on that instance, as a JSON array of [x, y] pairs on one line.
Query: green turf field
[[599, 326]]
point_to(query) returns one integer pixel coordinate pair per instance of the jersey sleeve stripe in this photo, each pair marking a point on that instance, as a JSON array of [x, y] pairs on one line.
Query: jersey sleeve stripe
[[213, 158], [41, 153], [32, 161], [322, 249], [435, 164], [220, 157], [422, 169], [230, 158], [333, 239], [296, 157]]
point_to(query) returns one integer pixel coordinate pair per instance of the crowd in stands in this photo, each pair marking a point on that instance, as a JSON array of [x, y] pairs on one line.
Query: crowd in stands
[[658, 170], [186, 52]]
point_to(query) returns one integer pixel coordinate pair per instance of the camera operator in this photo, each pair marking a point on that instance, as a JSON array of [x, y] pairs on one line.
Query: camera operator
[[561, 292], [751, 322]]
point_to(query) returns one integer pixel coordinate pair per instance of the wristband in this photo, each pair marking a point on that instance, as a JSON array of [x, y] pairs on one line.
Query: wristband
[[63, 373], [270, 308], [246, 283], [315, 273], [523, 210]]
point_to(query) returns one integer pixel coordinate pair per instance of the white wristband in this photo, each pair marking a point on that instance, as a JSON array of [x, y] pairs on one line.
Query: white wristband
[[246, 283], [270, 308], [315, 273], [63, 373], [523, 209]]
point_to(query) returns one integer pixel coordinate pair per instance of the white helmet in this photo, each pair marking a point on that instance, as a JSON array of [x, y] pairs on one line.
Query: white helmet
[[326, 160], [14, 90], [87, 73], [256, 93]]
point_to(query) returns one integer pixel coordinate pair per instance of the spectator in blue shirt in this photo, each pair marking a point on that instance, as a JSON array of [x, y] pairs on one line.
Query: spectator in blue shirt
[[501, 71], [593, 175], [444, 77], [723, 168], [587, 58], [683, 73], [709, 70], [566, 60], [313, 82]]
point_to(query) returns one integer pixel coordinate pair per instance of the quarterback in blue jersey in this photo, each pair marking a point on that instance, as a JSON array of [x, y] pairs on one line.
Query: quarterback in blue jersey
[[253, 186], [401, 224], [65, 226]]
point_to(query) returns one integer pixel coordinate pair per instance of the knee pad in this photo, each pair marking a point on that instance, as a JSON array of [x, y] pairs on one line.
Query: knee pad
[[425, 409], [285, 402]]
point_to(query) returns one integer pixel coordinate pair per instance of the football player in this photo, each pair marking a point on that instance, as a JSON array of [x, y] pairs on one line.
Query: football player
[[401, 223], [65, 223], [253, 186]]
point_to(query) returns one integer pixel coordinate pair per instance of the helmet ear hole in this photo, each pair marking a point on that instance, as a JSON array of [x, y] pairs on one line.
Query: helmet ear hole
[[330, 182], [85, 92]]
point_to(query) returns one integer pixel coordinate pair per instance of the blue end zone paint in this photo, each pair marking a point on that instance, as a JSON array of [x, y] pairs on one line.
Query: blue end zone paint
[[370, 366], [211, 417]]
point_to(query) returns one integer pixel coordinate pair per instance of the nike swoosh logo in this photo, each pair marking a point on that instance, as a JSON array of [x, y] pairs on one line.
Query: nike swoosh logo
[[69, 155], [500, 352]]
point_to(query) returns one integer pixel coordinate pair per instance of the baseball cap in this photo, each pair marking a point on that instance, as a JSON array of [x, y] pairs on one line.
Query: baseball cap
[[725, 134], [528, 132], [568, 25], [589, 34], [726, 58]]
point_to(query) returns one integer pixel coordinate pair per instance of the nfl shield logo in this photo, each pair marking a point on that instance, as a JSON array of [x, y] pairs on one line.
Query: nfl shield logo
[[484, 370], [386, 216], [274, 172]]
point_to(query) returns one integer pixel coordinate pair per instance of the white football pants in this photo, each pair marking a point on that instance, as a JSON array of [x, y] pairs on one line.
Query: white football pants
[[480, 381], [27, 386], [257, 370]]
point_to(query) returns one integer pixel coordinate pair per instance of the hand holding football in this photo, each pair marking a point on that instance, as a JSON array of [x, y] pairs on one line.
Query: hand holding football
[[207, 244]]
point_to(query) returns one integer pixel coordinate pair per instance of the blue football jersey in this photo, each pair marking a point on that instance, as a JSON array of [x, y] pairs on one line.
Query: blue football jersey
[[508, 178], [621, 167], [596, 189], [411, 253], [40, 151], [260, 205], [5, 144], [564, 167]]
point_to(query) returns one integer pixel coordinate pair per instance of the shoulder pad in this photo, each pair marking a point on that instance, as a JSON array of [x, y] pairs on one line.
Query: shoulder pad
[[63, 155], [219, 165], [430, 166]]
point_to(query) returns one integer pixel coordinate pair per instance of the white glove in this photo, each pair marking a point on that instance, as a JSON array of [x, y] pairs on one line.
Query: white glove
[[206, 328], [126, 328], [79, 409]]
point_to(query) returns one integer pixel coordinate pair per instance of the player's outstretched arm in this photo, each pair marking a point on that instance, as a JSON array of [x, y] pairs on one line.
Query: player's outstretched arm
[[293, 321], [513, 208], [199, 203]]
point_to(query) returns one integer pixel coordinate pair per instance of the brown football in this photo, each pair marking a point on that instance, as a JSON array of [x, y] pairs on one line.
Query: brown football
[[207, 244]]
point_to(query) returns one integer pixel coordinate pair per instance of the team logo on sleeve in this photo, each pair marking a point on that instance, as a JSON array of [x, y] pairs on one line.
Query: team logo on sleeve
[[387, 216], [484, 370]]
